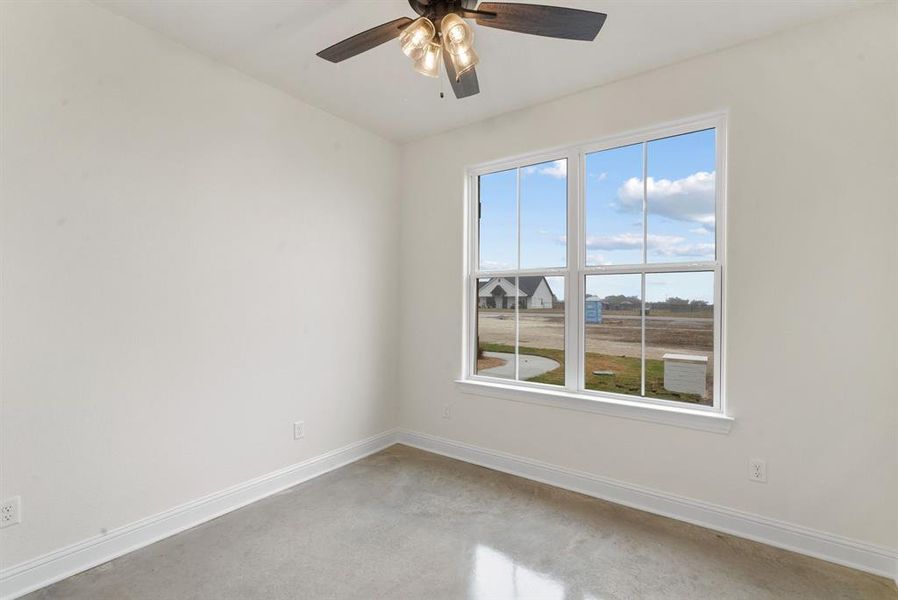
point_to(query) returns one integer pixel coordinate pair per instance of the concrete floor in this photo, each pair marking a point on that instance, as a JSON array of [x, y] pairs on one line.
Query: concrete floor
[[408, 524]]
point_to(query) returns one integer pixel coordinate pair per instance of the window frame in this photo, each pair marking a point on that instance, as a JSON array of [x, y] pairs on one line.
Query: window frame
[[573, 393]]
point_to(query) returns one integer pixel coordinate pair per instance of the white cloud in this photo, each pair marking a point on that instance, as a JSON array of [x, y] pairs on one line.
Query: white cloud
[[619, 241], [593, 258], [688, 250], [631, 241], [601, 176], [661, 245], [495, 265], [556, 169], [689, 199], [702, 231]]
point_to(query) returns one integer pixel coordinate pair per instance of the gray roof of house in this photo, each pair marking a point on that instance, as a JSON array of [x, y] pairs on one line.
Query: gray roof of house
[[528, 283]]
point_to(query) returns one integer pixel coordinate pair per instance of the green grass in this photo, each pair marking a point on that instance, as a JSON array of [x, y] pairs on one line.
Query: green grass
[[626, 379]]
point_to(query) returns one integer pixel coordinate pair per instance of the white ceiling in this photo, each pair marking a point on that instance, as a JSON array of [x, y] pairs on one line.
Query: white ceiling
[[275, 41]]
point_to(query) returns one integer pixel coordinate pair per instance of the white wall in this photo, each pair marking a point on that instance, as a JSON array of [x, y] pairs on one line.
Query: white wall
[[172, 236], [812, 280]]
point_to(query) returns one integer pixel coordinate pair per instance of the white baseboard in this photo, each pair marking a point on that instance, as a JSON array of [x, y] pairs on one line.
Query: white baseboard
[[55, 566], [829, 547]]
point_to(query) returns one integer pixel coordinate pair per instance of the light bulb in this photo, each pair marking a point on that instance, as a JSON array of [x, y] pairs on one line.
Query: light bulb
[[464, 61], [457, 35], [429, 63], [415, 38]]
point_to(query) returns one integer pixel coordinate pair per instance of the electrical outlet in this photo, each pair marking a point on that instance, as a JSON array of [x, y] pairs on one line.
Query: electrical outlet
[[757, 470], [299, 430], [10, 511], [447, 411]]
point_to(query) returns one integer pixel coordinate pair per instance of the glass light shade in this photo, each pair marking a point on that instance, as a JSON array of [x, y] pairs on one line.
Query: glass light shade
[[464, 61], [429, 63], [457, 35], [415, 38]]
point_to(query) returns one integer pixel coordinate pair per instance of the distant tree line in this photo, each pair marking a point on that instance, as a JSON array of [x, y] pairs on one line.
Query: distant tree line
[[621, 302]]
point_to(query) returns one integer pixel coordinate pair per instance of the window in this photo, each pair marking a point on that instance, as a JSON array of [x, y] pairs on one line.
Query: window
[[597, 271]]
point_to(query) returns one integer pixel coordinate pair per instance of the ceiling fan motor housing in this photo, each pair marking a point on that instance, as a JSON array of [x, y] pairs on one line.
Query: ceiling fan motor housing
[[437, 9]]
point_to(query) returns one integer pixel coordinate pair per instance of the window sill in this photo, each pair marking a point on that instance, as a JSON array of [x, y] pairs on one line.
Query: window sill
[[703, 420]]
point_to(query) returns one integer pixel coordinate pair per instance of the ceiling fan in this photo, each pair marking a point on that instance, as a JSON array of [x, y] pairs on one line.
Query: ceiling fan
[[441, 32]]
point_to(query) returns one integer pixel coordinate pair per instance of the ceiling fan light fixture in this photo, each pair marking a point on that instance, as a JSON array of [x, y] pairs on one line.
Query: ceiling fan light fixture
[[429, 63], [458, 37], [464, 61], [440, 32], [415, 38]]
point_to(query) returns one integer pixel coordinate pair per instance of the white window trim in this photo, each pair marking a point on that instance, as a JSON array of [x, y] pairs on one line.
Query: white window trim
[[573, 395]]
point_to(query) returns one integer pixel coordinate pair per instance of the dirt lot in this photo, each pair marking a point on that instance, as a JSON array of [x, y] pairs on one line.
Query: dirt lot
[[617, 335], [613, 346], [488, 362]]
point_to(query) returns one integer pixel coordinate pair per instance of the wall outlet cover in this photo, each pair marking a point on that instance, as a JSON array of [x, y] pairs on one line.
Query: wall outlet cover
[[757, 470], [10, 511]]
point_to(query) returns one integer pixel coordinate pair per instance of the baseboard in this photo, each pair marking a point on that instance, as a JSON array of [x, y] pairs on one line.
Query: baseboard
[[829, 547], [55, 566]]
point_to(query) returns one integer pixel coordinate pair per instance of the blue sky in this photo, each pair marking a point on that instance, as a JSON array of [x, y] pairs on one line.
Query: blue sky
[[680, 183], [543, 217], [680, 187]]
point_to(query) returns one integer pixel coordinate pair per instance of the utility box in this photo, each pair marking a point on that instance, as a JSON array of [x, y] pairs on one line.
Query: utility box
[[593, 311], [685, 373]]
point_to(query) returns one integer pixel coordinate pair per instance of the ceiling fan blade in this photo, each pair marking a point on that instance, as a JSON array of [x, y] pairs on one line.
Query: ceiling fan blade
[[364, 41], [464, 86], [537, 19]]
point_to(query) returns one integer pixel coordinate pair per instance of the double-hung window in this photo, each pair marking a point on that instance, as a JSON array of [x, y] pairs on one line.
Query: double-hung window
[[596, 271]]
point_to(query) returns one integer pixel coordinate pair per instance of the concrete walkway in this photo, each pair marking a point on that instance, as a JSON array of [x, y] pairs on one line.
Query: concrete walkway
[[531, 366]]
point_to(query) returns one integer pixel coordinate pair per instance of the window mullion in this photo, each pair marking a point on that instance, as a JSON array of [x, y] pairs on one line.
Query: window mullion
[[642, 339], [645, 259], [471, 291], [517, 283], [718, 338], [645, 203], [573, 353]]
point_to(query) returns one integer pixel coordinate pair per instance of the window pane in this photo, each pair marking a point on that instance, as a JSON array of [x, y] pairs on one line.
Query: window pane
[[498, 221], [614, 206], [544, 215], [679, 336], [541, 329], [495, 327], [681, 192], [613, 333]]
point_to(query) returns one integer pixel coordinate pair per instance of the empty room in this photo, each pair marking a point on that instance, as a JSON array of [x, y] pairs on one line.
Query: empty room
[[448, 299]]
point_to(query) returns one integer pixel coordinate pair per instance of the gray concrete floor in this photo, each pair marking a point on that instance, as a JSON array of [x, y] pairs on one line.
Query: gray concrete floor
[[408, 524]]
